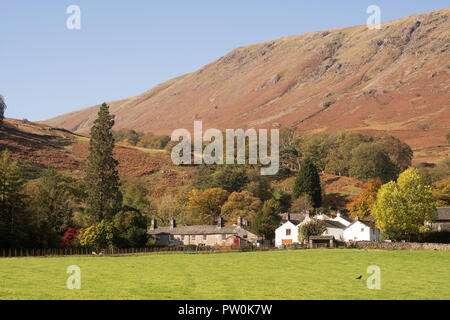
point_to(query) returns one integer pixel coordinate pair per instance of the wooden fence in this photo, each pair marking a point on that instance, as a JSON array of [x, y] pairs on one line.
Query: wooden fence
[[8, 253]]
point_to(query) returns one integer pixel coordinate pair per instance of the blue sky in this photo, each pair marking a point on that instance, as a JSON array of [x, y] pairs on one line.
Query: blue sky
[[126, 47]]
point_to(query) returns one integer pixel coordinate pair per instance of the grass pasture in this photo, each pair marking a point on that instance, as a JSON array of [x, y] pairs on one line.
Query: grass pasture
[[300, 274]]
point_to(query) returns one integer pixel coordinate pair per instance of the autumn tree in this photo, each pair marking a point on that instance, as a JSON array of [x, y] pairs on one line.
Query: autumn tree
[[362, 206], [240, 204], [104, 197], [206, 206], [441, 192], [308, 182], [402, 208], [301, 204], [170, 206], [100, 236], [267, 220]]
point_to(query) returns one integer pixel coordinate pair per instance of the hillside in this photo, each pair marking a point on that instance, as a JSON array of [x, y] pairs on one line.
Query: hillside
[[393, 80], [44, 146]]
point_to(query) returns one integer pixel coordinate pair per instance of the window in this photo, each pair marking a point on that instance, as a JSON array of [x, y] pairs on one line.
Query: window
[[171, 238], [205, 237], [224, 237], [362, 229], [182, 237], [192, 238], [288, 232]]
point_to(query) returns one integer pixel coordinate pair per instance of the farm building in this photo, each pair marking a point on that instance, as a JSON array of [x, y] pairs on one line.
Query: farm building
[[341, 228], [288, 232], [362, 231], [442, 223], [207, 235]]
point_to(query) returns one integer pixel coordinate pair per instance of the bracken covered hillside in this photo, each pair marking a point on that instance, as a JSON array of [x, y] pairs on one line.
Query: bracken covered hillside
[[393, 80], [44, 146]]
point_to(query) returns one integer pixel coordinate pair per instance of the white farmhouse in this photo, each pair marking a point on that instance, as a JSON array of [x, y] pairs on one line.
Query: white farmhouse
[[286, 234], [340, 227], [334, 228], [362, 231], [342, 219]]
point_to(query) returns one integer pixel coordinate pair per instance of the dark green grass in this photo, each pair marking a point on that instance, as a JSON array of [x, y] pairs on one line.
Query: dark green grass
[[301, 274]]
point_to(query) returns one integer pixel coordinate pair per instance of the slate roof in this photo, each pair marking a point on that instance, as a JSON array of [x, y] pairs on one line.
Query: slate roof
[[295, 218], [443, 214], [345, 218], [196, 230], [334, 224], [370, 224]]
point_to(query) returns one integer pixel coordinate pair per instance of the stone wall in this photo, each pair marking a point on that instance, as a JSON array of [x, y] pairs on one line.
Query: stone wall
[[400, 245]]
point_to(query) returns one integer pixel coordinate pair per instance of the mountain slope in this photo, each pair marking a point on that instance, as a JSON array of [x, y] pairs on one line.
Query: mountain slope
[[44, 146], [392, 80]]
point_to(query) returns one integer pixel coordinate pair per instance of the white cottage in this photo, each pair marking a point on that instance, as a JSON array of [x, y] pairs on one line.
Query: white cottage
[[362, 231], [342, 219], [334, 228], [286, 234]]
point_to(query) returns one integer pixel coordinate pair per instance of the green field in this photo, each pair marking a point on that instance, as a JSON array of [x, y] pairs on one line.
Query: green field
[[300, 274]]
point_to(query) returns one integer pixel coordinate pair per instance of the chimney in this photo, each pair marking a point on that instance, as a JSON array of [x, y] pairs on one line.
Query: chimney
[[173, 223], [357, 218], [154, 224], [239, 221], [338, 214], [245, 222], [220, 222]]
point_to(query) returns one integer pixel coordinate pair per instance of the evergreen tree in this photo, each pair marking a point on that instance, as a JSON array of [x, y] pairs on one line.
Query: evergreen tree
[[267, 220], [104, 196], [2, 108], [12, 202], [308, 182]]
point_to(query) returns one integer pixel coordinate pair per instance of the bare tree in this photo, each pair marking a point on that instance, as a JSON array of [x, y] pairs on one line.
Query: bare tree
[[2, 108]]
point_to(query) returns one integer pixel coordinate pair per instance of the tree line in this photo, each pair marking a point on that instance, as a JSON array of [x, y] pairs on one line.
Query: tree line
[[101, 210]]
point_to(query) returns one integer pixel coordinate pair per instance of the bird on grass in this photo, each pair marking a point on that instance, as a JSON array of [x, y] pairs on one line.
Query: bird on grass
[[359, 278]]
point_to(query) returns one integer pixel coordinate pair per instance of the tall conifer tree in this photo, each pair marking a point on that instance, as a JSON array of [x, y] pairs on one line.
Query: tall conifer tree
[[104, 195], [308, 182]]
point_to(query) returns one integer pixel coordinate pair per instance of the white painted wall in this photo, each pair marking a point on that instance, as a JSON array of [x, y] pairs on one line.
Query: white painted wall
[[338, 218], [336, 232], [280, 233], [358, 231]]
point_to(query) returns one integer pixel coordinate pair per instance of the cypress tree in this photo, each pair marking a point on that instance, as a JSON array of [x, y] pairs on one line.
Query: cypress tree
[[308, 182], [102, 178]]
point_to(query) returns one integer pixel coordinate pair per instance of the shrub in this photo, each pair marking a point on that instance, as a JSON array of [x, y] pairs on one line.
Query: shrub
[[315, 227]]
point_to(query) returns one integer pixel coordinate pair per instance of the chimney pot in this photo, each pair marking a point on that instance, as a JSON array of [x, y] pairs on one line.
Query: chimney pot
[[173, 223], [153, 224]]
